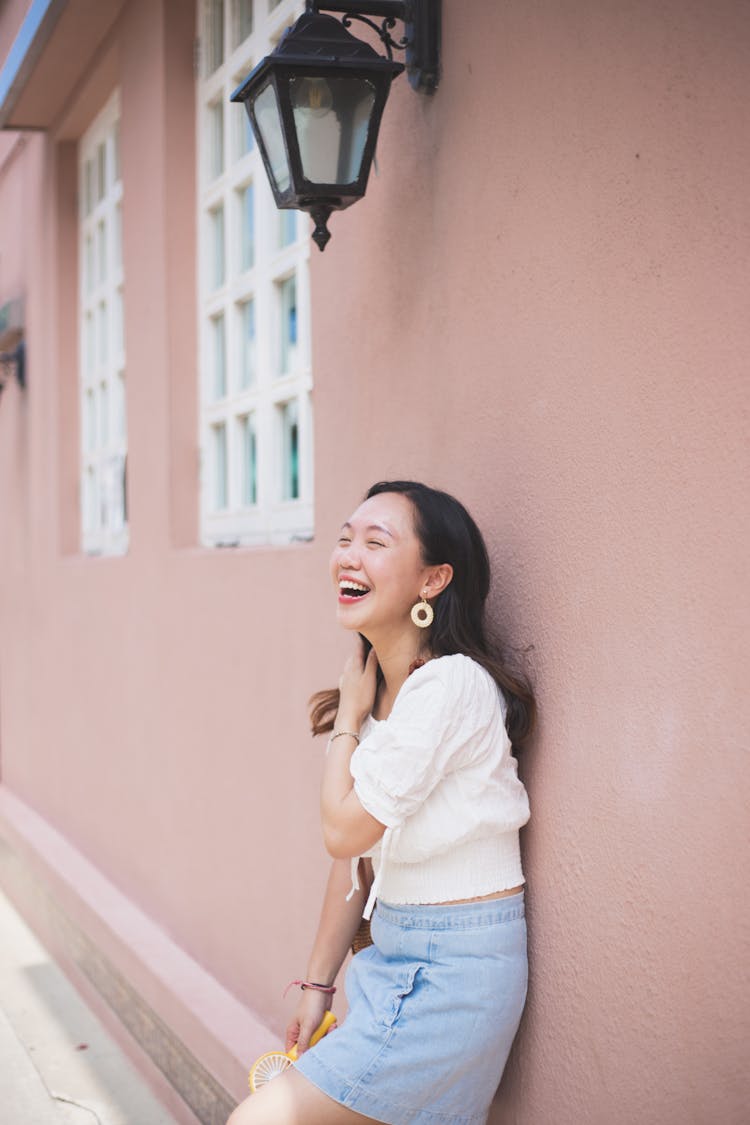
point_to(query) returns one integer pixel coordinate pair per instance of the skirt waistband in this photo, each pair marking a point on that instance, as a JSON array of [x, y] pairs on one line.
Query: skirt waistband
[[452, 916]]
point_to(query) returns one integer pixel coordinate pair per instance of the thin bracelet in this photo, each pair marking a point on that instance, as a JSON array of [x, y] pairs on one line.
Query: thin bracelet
[[329, 988], [340, 734]]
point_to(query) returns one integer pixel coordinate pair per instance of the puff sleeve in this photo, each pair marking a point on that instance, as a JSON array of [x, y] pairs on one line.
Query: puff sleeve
[[401, 759]]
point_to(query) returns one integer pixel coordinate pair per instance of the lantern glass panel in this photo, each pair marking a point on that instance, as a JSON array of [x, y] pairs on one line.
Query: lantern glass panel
[[332, 118], [268, 120]]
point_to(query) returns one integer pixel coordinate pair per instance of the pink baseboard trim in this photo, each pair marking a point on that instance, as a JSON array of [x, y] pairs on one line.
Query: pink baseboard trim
[[197, 1034]]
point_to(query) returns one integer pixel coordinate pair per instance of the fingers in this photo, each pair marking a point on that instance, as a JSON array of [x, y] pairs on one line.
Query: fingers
[[292, 1035], [307, 1017], [370, 670], [357, 686], [305, 1033], [360, 663], [353, 670]]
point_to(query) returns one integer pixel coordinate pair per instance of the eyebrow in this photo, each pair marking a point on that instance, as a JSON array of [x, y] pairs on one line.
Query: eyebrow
[[370, 527]]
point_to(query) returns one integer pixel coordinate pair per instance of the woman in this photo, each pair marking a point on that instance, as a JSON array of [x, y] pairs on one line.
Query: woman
[[421, 807]]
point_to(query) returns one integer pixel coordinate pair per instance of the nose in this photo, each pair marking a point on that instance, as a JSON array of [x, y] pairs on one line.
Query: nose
[[348, 557]]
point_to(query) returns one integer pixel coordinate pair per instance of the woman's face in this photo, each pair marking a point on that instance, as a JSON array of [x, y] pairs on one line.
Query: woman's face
[[377, 566]]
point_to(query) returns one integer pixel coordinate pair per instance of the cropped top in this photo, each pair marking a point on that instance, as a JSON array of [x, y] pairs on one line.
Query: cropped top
[[440, 775]]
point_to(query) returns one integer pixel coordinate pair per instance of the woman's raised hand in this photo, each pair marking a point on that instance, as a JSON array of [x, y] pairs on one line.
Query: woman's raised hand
[[357, 688]]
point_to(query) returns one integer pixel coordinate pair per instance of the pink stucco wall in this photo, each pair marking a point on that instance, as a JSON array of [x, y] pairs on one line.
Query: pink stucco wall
[[541, 306]]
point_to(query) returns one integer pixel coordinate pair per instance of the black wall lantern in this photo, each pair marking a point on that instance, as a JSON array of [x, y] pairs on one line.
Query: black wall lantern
[[14, 361], [12, 343], [316, 101]]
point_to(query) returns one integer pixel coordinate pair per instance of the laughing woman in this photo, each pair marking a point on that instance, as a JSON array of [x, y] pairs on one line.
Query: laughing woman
[[421, 808]]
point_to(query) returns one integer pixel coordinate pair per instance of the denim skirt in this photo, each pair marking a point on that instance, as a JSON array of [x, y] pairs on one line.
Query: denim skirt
[[434, 1005]]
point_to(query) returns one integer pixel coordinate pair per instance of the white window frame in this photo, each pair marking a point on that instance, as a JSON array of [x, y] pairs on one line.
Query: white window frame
[[274, 517], [103, 446]]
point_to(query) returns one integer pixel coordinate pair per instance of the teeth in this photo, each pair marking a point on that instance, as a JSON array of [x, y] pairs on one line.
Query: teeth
[[347, 584]]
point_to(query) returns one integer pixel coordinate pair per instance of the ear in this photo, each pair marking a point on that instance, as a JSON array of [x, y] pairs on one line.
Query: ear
[[438, 577]]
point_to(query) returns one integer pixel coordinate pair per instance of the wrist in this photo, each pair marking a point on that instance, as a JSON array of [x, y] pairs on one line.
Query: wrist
[[347, 719], [324, 978], [350, 739], [312, 986]]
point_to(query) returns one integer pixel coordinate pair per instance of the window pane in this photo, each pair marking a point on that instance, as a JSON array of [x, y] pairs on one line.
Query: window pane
[[217, 247], [247, 227], [118, 419], [101, 247], [269, 126], [116, 152], [103, 414], [220, 465], [89, 422], [117, 326], [219, 356], [249, 461], [101, 172], [243, 20], [287, 227], [247, 350], [214, 26], [88, 187], [89, 279], [89, 353], [102, 333], [118, 236], [89, 500], [216, 140], [113, 492], [245, 136], [288, 302], [290, 448]]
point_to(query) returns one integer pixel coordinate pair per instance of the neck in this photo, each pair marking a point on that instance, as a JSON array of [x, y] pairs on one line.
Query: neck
[[396, 655]]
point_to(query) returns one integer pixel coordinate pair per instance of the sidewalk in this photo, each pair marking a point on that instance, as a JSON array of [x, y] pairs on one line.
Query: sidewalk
[[58, 1065]]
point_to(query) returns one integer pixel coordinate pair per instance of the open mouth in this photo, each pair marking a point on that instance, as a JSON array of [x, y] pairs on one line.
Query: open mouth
[[350, 591]]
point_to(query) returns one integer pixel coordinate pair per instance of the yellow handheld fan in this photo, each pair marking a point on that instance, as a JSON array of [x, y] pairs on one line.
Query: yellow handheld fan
[[274, 1063]]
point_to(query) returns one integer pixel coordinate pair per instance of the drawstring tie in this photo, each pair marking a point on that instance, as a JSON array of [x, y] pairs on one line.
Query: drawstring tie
[[370, 904], [355, 877]]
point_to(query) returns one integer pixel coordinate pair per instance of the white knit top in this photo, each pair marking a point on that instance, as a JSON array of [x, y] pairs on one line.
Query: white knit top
[[439, 773]]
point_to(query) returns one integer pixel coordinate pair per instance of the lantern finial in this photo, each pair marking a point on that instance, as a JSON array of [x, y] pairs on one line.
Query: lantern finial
[[321, 235]]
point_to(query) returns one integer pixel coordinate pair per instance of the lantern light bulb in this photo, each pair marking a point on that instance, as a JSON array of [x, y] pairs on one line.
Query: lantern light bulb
[[313, 95]]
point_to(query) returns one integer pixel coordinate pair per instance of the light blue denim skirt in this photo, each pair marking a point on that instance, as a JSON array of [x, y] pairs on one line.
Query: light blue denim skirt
[[434, 1005]]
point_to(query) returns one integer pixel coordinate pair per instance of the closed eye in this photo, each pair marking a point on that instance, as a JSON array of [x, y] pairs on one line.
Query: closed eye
[[375, 543]]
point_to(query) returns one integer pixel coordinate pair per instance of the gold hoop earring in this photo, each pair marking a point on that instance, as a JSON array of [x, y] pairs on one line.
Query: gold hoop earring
[[421, 613]]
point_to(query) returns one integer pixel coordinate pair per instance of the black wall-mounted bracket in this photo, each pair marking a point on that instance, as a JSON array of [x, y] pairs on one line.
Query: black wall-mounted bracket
[[13, 362], [421, 38]]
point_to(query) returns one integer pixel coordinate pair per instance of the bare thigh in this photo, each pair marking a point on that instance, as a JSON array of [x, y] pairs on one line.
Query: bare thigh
[[291, 1100]]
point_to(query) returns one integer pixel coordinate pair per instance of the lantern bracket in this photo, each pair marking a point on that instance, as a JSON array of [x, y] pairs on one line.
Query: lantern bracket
[[421, 38], [384, 32], [13, 362], [12, 342]]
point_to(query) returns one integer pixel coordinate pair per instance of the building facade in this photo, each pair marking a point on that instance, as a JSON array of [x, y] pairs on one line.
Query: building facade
[[541, 306]]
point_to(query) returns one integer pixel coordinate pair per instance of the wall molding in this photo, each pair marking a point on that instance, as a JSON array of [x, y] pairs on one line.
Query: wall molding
[[195, 1033], [200, 1091]]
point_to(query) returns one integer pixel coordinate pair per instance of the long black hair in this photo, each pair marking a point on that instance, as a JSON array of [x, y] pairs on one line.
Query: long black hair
[[448, 534]]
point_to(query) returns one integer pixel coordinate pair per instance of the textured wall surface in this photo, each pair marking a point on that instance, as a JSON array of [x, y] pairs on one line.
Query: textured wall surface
[[541, 306]]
